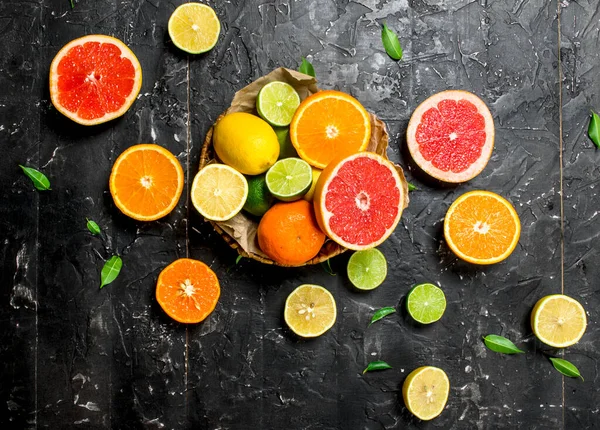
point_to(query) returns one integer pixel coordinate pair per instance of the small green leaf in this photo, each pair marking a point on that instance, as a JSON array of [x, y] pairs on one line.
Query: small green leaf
[[376, 365], [411, 187], [72, 4], [93, 227], [381, 313], [565, 367], [111, 270], [307, 68], [326, 265], [237, 260], [594, 129], [501, 344], [391, 43], [40, 181]]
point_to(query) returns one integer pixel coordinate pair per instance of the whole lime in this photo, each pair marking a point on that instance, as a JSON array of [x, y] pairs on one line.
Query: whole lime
[[286, 149], [259, 198]]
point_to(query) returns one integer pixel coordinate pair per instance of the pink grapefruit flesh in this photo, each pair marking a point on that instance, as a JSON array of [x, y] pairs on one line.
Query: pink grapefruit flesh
[[359, 200], [451, 136]]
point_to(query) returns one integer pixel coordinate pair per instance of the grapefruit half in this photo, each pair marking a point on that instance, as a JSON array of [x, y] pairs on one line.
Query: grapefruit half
[[359, 200], [94, 79], [451, 136]]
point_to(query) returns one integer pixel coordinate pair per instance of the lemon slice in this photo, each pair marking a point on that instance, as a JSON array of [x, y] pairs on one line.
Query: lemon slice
[[219, 192], [310, 310], [558, 320], [425, 392], [194, 28]]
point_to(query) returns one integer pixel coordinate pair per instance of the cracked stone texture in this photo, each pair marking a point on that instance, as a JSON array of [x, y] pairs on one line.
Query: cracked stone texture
[[75, 355]]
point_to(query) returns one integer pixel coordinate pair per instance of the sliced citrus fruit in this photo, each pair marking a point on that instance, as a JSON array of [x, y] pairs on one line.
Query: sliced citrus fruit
[[289, 179], [327, 125], [558, 320], [187, 290], [451, 135], [359, 200], [482, 227], [426, 303], [94, 79], [219, 192], [425, 392], [146, 182], [367, 269], [194, 28], [277, 102], [310, 310]]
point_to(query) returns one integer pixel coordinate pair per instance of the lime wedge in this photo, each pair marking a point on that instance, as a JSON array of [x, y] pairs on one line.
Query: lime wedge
[[367, 269], [277, 102], [426, 303], [289, 179]]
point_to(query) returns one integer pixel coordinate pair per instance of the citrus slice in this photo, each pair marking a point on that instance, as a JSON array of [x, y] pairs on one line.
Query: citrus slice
[[146, 182], [367, 269], [558, 320], [219, 192], [451, 135], [482, 227], [359, 200], [425, 392], [310, 310], [289, 179], [277, 102], [426, 303], [194, 28], [94, 79], [187, 290], [327, 125]]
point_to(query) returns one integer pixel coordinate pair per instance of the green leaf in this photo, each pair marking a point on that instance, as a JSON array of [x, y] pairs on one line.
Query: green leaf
[[72, 4], [501, 344], [111, 270], [93, 227], [381, 313], [411, 187], [40, 181], [307, 68], [237, 260], [391, 43], [376, 365], [565, 367], [326, 265], [594, 129]]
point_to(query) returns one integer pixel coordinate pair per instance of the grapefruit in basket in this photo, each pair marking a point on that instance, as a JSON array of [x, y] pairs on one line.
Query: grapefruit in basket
[[451, 136], [359, 200], [94, 79]]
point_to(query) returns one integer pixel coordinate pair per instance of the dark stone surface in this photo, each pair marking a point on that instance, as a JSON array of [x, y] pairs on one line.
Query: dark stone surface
[[77, 356]]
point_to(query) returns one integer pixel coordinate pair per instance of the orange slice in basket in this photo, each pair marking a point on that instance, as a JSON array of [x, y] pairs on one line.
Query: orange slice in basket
[[327, 125]]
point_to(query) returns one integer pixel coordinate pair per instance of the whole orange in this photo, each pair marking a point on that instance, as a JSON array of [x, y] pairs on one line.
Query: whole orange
[[289, 234]]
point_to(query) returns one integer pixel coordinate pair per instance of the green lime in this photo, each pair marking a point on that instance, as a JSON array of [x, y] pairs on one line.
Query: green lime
[[289, 179], [286, 148], [367, 269], [259, 198], [277, 102], [426, 303]]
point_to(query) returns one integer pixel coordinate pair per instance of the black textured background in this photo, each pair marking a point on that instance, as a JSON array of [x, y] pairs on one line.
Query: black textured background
[[77, 356]]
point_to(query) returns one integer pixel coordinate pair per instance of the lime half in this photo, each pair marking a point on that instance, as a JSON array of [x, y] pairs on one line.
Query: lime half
[[277, 102], [426, 303], [367, 269], [289, 179]]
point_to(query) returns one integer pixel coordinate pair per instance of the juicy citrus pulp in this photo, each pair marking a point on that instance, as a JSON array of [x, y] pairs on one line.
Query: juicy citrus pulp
[[94, 79], [194, 28], [426, 303], [482, 227], [451, 135], [219, 192], [259, 198], [187, 290], [277, 102], [425, 392], [310, 310], [367, 269], [359, 200], [558, 320], [327, 125], [146, 182], [289, 179]]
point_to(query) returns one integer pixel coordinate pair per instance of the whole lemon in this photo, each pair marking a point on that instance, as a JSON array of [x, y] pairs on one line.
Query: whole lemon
[[246, 142]]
